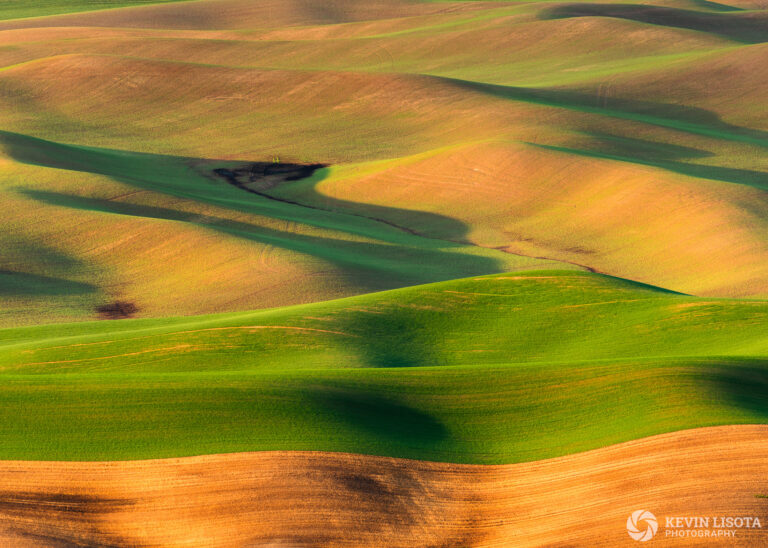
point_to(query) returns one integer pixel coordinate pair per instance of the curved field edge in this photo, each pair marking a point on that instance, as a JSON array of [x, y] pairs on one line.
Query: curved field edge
[[296, 498], [480, 370]]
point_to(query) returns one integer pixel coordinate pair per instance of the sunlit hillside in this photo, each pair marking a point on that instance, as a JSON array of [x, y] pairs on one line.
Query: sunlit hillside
[[251, 236]]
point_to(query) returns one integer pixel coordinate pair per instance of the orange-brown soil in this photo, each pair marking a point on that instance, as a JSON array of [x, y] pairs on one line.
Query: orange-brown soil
[[335, 499]]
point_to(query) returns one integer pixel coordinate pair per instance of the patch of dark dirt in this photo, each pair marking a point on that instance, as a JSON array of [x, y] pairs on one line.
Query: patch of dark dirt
[[19, 502], [261, 176], [364, 484], [60, 519], [117, 310]]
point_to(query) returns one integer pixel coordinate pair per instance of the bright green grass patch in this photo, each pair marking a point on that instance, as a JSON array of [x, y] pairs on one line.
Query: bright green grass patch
[[492, 414], [522, 317], [494, 369], [16, 9]]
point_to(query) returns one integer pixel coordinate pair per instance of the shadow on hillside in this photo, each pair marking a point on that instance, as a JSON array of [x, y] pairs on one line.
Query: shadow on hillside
[[683, 118], [715, 6], [749, 28], [173, 175], [604, 147], [384, 417], [396, 336], [27, 285], [392, 256], [372, 266], [416, 223], [744, 385], [643, 149]]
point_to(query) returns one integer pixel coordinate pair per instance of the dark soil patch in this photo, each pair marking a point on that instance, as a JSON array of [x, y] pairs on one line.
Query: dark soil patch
[[117, 310], [260, 176], [20, 502]]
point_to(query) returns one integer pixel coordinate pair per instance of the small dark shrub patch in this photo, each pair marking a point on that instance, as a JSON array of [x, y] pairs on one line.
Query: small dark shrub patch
[[117, 310]]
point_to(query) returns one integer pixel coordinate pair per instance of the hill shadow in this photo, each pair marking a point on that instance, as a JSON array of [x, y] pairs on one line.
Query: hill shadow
[[743, 384], [682, 118], [395, 336], [370, 265], [176, 176], [392, 257], [643, 149], [450, 229], [26, 284], [386, 417], [747, 28], [716, 6], [610, 147]]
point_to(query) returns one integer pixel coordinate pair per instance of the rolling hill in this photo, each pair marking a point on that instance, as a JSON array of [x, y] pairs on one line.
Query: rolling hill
[[497, 369], [393, 272], [342, 499], [413, 107]]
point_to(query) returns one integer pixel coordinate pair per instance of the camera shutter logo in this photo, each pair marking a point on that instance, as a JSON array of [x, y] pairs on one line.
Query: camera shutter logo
[[642, 525]]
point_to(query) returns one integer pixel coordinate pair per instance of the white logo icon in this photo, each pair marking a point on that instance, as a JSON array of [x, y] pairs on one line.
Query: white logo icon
[[633, 525]]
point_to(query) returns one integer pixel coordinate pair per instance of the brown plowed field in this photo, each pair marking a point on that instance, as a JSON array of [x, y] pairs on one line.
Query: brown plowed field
[[334, 499]]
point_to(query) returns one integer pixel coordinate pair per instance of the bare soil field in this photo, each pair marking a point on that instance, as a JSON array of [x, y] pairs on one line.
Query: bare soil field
[[338, 499]]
